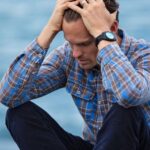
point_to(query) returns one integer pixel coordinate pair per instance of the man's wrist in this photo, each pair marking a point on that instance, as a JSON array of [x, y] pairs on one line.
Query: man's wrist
[[103, 44], [46, 37], [99, 31], [104, 39]]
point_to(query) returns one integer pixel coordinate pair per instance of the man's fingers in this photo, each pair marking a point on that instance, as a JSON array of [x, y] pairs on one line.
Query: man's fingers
[[74, 2], [101, 2], [64, 1], [83, 3], [91, 1], [76, 8]]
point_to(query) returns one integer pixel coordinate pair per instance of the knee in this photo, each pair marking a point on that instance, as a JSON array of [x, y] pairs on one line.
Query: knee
[[11, 119], [14, 115], [9, 116], [133, 113], [121, 109]]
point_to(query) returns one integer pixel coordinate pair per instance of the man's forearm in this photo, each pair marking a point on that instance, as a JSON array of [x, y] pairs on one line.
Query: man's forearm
[[46, 36], [127, 83]]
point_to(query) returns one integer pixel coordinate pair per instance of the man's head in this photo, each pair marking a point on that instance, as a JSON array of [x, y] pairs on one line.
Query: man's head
[[111, 5], [82, 43]]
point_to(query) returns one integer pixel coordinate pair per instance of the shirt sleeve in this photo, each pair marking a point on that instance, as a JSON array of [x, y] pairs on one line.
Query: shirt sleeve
[[30, 77], [130, 83]]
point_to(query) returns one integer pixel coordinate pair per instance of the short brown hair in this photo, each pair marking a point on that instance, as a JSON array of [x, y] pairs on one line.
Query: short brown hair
[[111, 5]]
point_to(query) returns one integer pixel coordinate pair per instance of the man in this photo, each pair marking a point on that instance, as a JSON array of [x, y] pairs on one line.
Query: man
[[106, 72]]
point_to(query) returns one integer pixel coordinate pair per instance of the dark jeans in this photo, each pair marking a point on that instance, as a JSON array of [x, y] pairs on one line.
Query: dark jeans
[[33, 129]]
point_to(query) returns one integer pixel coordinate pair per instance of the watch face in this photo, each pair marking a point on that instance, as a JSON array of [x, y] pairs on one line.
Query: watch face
[[109, 35]]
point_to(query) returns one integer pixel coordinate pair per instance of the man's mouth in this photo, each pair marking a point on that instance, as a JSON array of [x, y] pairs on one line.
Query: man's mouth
[[83, 62]]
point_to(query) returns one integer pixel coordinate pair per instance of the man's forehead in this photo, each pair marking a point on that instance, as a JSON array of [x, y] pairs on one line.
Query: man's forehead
[[79, 41], [75, 32]]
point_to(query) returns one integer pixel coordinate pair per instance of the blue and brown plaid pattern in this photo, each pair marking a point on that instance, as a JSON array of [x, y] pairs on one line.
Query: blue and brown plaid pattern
[[122, 75]]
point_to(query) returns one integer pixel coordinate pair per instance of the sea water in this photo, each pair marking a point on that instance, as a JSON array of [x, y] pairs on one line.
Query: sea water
[[21, 22]]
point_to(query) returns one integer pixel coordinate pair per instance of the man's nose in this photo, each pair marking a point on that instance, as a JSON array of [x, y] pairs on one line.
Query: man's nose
[[76, 52]]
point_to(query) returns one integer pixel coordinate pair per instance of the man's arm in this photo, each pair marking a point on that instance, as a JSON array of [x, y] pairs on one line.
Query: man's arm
[[54, 25], [28, 77], [129, 84]]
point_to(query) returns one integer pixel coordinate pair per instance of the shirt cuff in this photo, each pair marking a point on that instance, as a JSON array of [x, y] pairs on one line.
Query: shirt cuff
[[35, 52], [109, 52]]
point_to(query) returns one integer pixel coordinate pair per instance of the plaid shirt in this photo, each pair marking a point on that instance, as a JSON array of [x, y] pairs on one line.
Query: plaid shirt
[[122, 76]]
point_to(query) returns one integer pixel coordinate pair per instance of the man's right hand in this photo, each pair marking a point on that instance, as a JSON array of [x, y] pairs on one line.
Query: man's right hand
[[55, 21], [54, 25]]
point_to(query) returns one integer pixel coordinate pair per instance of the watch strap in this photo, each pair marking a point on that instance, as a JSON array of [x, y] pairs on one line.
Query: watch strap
[[103, 36]]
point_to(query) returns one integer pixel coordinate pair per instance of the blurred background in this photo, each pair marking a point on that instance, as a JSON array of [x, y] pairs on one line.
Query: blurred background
[[21, 21]]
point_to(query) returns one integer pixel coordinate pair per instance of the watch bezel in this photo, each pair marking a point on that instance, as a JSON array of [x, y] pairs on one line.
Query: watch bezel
[[104, 36]]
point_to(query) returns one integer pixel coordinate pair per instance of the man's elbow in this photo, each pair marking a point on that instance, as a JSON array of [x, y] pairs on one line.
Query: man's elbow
[[8, 103], [133, 98]]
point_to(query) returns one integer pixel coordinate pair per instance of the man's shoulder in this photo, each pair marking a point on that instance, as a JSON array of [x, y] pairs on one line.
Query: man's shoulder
[[135, 44], [63, 49], [131, 39], [139, 44], [63, 52]]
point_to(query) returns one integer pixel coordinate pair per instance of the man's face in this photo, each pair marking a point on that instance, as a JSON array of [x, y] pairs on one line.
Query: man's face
[[82, 43]]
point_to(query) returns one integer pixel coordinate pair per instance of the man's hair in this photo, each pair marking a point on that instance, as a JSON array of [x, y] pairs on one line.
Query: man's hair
[[111, 5]]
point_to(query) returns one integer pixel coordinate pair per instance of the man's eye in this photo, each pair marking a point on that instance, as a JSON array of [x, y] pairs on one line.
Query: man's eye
[[80, 45], [70, 44], [86, 44]]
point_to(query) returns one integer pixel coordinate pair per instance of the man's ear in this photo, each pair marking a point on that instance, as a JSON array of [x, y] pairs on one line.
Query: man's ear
[[114, 27]]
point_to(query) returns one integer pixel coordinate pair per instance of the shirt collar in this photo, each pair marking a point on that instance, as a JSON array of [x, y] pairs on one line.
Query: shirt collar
[[126, 42]]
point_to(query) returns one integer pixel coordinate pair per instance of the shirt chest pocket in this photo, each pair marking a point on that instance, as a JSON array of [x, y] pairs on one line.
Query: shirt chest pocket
[[78, 90]]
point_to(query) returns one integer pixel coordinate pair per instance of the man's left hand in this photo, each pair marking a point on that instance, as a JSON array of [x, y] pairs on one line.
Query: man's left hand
[[96, 17]]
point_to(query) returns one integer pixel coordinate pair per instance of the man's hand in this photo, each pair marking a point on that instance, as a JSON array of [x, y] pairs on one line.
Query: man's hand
[[96, 17], [54, 24], [56, 19]]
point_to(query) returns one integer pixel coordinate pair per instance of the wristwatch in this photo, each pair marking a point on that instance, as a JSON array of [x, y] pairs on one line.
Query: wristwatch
[[108, 36]]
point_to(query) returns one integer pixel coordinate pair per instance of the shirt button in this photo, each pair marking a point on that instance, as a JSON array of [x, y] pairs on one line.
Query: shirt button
[[78, 92], [34, 72], [40, 55]]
